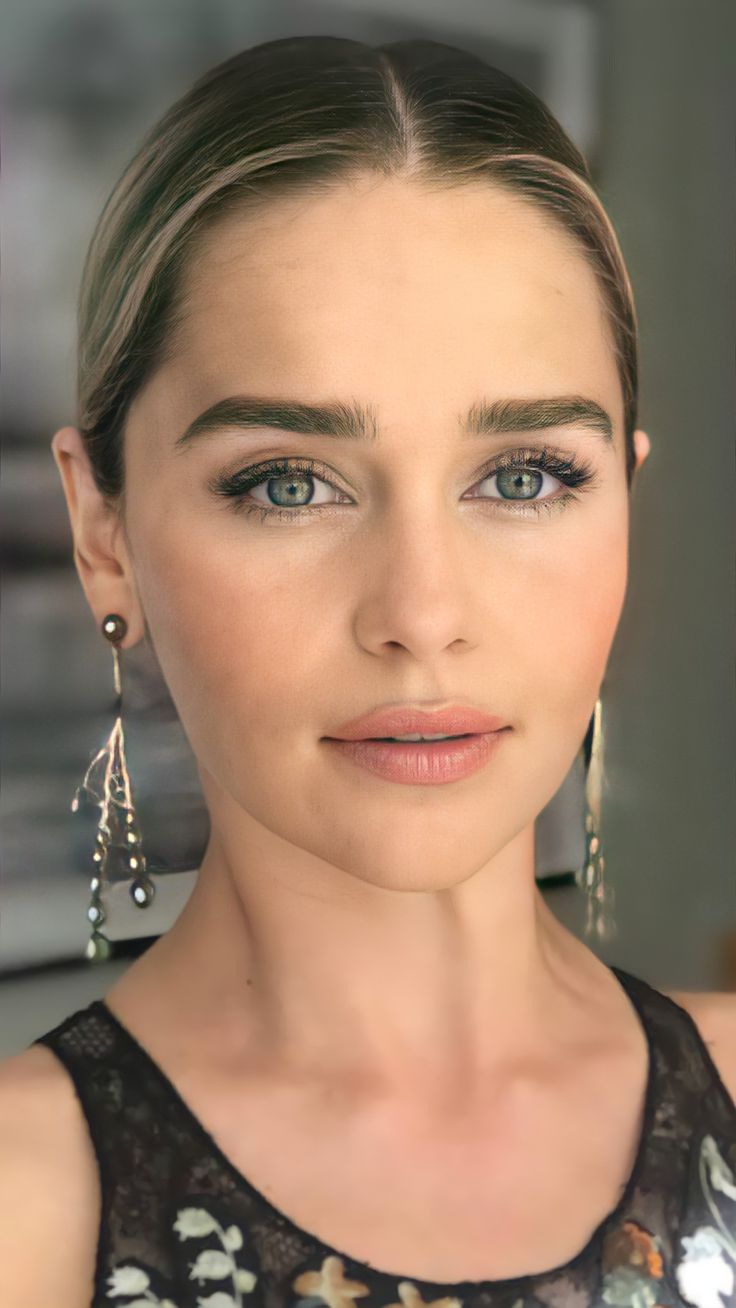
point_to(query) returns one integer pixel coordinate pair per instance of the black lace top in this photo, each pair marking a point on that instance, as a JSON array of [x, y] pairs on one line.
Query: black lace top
[[183, 1228]]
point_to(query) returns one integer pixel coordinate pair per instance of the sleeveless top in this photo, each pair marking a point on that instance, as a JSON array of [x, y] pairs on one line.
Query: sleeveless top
[[181, 1227]]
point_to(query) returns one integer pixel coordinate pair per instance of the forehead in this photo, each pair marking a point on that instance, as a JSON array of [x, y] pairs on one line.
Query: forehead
[[388, 286]]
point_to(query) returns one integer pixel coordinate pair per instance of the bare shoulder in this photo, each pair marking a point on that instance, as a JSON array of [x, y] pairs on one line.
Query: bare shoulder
[[714, 1014], [49, 1186]]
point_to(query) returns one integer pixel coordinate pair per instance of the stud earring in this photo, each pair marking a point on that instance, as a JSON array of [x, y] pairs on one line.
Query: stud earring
[[599, 918], [118, 823]]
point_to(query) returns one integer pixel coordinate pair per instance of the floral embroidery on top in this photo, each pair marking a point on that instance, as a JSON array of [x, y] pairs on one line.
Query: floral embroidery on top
[[704, 1275], [329, 1286], [210, 1264], [129, 1279], [215, 1263], [632, 1262]]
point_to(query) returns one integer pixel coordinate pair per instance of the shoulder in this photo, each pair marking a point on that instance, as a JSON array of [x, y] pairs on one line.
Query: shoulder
[[49, 1187], [714, 1014]]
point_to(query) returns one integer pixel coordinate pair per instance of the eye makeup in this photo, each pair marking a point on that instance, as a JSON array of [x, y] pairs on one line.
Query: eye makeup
[[573, 472]]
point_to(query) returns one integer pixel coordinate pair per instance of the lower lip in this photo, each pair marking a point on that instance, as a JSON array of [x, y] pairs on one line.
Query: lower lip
[[418, 763]]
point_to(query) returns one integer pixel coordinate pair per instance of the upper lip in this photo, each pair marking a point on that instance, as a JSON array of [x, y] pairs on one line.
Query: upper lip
[[403, 720]]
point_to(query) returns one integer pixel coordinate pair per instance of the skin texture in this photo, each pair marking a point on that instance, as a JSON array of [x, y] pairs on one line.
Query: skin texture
[[340, 927], [366, 1000]]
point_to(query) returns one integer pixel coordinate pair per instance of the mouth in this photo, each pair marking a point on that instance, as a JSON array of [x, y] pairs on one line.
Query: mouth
[[420, 740], [420, 762], [404, 721]]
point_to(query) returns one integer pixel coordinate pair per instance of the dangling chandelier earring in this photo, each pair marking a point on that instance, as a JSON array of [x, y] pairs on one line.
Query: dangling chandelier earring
[[115, 800], [599, 918]]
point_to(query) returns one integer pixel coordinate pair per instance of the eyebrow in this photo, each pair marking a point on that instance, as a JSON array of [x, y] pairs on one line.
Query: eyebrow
[[354, 421]]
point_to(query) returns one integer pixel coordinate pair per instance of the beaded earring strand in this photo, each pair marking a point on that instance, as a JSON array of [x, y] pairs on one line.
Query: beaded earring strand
[[590, 877], [118, 823]]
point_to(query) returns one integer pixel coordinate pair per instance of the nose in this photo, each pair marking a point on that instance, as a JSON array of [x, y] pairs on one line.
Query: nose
[[418, 585]]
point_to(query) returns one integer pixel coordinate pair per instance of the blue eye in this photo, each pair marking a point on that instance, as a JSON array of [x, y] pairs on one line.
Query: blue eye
[[294, 488], [518, 483], [290, 484]]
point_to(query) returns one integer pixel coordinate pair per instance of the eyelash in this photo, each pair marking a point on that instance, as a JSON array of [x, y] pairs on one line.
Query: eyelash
[[572, 472]]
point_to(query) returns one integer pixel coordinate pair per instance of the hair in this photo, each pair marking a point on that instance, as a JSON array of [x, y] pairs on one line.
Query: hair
[[302, 115]]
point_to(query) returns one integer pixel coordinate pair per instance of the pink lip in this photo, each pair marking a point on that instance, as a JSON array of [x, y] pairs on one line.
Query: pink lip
[[402, 720], [421, 764]]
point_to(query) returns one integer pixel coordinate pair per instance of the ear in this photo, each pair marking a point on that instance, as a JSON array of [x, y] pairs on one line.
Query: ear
[[101, 551], [642, 446]]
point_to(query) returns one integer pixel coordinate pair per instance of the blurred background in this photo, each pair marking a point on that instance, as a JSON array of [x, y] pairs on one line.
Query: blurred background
[[642, 87]]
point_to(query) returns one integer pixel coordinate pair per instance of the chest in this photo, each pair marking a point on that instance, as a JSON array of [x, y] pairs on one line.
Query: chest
[[516, 1192]]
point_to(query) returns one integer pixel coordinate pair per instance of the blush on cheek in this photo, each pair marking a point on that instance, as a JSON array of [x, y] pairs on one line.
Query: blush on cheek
[[191, 635], [579, 611], [597, 636], [605, 600], [229, 672]]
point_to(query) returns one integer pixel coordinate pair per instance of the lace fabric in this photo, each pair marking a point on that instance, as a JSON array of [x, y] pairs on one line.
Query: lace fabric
[[181, 1227]]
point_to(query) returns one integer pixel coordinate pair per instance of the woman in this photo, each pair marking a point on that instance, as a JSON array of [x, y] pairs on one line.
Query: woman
[[357, 437]]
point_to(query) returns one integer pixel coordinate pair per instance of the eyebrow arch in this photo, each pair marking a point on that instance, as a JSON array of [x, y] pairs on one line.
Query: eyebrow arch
[[354, 421]]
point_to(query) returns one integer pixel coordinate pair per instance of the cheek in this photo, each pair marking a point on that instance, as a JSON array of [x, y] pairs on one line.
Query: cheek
[[235, 630], [579, 597]]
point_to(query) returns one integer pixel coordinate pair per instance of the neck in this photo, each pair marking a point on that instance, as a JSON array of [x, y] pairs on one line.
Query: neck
[[315, 971]]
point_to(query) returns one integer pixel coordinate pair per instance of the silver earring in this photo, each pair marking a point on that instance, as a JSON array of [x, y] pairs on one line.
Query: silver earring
[[118, 823], [599, 920]]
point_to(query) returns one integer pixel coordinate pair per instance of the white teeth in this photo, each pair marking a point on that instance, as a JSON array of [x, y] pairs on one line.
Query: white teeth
[[440, 736]]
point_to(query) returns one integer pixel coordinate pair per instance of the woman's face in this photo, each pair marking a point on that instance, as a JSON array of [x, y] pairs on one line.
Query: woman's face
[[420, 576]]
